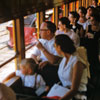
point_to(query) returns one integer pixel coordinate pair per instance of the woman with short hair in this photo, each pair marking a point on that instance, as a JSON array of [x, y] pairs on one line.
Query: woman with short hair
[[72, 70]]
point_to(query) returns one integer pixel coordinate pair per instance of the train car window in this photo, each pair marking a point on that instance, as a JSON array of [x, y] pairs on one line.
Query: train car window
[[77, 5], [70, 7], [49, 15], [60, 11], [30, 32], [7, 69], [6, 49]]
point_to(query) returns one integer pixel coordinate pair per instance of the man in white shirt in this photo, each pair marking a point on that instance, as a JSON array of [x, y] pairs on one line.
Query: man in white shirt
[[45, 46], [46, 50]]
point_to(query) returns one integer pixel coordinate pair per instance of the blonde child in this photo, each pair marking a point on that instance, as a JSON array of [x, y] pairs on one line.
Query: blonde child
[[28, 74]]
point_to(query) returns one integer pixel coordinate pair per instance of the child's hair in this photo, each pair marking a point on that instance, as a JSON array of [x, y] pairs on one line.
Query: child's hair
[[29, 63], [6, 93]]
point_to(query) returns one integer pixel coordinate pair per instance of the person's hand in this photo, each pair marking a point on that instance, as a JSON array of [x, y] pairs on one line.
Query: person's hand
[[39, 46], [47, 88], [90, 36], [43, 64]]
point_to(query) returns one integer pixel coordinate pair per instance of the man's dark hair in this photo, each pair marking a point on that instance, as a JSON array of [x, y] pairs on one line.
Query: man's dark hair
[[75, 15], [96, 1], [96, 16], [83, 9], [65, 43], [65, 21], [51, 26]]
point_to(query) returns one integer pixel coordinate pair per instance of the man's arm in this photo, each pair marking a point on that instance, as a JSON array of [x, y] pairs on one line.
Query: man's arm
[[35, 58], [36, 52], [51, 58]]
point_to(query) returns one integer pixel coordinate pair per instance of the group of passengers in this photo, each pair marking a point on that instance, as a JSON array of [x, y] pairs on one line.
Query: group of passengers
[[58, 55]]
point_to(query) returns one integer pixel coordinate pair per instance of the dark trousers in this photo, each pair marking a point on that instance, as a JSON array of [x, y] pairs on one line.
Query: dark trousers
[[49, 74]]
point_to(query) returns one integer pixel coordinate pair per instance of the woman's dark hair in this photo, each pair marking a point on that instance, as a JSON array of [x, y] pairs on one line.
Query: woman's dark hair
[[96, 16], [65, 43], [83, 9], [51, 26], [96, 1], [75, 15], [65, 21], [92, 8]]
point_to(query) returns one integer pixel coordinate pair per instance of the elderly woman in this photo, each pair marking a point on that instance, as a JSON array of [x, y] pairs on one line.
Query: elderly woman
[[72, 70]]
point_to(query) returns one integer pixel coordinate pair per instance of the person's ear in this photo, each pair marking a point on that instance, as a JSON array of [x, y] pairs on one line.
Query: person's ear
[[59, 48], [75, 19], [29, 70], [64, 26], [48, 31]]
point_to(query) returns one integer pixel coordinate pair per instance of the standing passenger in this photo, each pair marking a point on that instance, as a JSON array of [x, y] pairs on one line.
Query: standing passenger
[[92, 44], [78, 29], [82, 20]]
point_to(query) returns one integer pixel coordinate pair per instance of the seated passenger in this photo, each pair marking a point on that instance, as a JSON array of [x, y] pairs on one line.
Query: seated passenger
[[47, 54], [90, 11], [65, 28], [78, 29], [72, 70], [45, 46], [6, 93], [82, 20], [94, 3], [28, 74]]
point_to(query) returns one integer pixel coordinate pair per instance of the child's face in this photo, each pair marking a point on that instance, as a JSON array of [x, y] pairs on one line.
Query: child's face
[[24, 70]]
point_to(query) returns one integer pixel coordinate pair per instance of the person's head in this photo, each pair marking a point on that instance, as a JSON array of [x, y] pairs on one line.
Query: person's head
[[95, 19], [64, 44], [47, 30], [28, 66], [82, 11], [73, 17], [94, 3], [6, 93], [63, 23], [90, 10]]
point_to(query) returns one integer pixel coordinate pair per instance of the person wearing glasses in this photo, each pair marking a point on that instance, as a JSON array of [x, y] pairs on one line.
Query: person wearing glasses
[[44, 52]]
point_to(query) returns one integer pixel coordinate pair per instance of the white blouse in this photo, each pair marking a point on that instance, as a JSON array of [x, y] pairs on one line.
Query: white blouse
[[29, 80], [72, 35], [84, 24], [65, 73]]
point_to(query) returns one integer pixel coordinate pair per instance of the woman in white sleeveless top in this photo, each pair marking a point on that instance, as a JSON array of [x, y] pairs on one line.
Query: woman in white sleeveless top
[[72, 71]]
